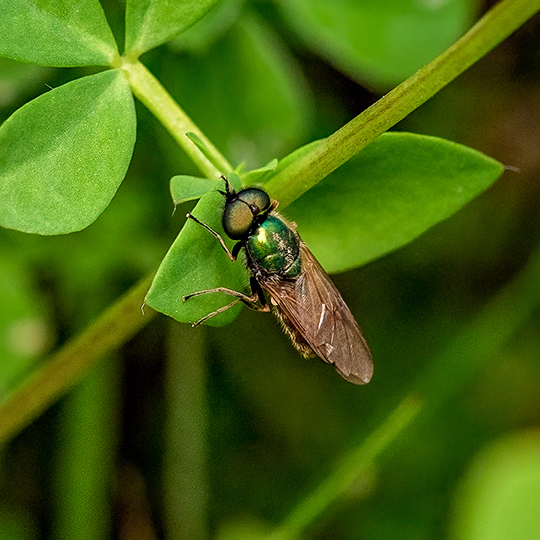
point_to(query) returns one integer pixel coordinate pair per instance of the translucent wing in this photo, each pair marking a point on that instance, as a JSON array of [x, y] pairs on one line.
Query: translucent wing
[[317, 319]]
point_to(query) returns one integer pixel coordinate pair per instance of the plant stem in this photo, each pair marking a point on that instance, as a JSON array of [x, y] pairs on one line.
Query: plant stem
[[497, 24], [63, 369], [483, 336], [150, 92], [356, 464], [186, 491], [85, 455]]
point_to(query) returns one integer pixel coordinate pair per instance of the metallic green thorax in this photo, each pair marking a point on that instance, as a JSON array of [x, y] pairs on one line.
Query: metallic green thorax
[[274, 248]]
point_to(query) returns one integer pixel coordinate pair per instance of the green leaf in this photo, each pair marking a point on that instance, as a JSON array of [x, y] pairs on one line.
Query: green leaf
[[395, 189], [197, 262], [259, 175], [56, 32], [150, 23], [381, 43], [64, 154], [499, 498], [189, 188], [199, 37], [388, 194]]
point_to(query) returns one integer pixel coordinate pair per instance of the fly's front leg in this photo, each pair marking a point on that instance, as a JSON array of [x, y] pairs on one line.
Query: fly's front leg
[[232, 255]]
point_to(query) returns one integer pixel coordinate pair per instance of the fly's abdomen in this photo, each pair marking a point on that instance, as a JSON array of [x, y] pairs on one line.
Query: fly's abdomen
[[274, 248]]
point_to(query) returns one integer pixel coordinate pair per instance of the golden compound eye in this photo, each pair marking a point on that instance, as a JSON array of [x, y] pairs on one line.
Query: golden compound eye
[[237, 219], [241, 211], [255, 197]]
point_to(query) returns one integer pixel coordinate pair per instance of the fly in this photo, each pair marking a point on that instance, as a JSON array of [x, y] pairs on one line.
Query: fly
[[287, 280]]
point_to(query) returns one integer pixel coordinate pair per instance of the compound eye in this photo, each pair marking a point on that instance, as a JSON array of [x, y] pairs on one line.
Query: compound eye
[[255, 197], [237, 219]]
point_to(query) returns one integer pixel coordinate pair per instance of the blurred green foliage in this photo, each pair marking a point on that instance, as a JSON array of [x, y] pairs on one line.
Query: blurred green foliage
[[197, 433]]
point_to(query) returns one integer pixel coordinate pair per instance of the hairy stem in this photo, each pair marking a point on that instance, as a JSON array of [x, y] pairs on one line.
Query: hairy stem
[[489, 31], [150, 92], [63, 369]]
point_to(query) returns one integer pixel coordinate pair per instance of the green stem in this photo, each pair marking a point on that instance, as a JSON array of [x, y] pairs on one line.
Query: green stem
[[483, 336], [152, 94], [85, 455], [185, 462], [63, 369], [489, 31], [356, 464]]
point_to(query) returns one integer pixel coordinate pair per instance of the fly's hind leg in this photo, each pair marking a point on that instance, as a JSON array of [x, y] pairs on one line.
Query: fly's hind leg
[[214, 313], [256, 301]]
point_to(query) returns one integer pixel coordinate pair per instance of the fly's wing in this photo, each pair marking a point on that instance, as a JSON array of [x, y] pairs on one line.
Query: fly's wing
[[314, 307]]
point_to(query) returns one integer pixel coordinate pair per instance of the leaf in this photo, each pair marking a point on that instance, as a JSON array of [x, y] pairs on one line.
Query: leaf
[[56, 32], [150, 23], [259, 175], [387, 195], [500, 497], [189, 188], [390, 193], [199, 37], [196, 262], [381, 43], [64, 154]]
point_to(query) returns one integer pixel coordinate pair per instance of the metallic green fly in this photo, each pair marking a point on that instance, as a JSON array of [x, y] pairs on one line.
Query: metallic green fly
[[287, 280]]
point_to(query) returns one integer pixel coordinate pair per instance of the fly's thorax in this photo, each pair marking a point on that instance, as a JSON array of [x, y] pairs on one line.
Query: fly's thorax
[[274, 248]]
